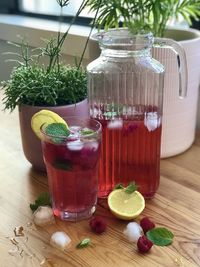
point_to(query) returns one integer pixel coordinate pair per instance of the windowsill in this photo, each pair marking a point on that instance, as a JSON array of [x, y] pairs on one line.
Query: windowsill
[[35, 29]]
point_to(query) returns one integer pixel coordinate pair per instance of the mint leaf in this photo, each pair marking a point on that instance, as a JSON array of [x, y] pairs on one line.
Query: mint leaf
[[110, 114], [86, 131], [132, 187], [57, 129], [63, 165], [84, 243], [160, 236], [43, 199], [118, 186]]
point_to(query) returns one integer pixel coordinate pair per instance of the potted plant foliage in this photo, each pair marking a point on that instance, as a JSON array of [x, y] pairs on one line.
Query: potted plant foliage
[[179, 116], [34, 86]]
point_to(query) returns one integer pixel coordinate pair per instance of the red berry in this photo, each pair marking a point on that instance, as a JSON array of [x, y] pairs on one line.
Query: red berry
[[98, 225], [144, 244], [146, 224]]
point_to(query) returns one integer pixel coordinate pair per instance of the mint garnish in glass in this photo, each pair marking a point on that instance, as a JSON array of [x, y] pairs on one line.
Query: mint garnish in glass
[[57, 129]]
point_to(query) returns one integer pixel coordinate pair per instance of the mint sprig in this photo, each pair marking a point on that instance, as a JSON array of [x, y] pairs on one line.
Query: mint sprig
[[43, 199], [132, 187], [57, 129], [119, 186], [86, 131], [65, 165], [84, 243], [160, 236]]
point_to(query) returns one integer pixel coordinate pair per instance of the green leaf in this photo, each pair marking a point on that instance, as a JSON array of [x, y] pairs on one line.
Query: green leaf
[[57, 129], [119, 186], [132, 187], [43, 199], [160, 236], [86, 131], [84, 243], [110, 114], [63, 165]]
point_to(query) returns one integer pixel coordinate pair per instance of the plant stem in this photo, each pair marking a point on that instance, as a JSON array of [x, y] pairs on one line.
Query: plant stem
[[92, 27], [58, 38], [62, 39]]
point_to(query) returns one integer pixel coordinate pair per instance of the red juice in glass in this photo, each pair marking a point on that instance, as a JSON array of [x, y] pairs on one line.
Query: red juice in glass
[[72, 169], [130, 152]]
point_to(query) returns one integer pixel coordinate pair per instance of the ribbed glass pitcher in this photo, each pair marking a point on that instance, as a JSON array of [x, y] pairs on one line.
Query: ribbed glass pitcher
[[125, 91]]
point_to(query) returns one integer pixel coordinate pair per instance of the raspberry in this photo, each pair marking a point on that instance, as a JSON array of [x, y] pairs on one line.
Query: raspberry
[[146, 224], [98, 225], [144, 244]]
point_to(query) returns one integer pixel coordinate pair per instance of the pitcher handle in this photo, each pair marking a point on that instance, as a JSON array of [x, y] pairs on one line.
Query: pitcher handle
[[181, 60]]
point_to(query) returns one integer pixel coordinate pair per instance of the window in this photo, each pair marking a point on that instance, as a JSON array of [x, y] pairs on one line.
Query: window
[[51, 7]]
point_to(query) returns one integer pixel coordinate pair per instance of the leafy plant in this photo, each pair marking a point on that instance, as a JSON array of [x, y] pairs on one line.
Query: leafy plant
[[33, 83], [143, 15]]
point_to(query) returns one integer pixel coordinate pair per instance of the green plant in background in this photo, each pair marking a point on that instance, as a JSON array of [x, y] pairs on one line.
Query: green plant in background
[[33, 83], [143, 15]]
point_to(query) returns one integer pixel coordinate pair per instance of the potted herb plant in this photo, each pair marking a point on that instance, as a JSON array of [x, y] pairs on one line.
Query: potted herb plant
[[34, 86], [179, 116]]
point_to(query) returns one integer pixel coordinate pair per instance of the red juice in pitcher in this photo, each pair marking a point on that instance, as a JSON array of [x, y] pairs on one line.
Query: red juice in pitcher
[[130, 152], [125, 93]]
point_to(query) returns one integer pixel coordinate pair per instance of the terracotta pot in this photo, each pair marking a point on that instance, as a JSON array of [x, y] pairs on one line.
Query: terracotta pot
[[31, 144]]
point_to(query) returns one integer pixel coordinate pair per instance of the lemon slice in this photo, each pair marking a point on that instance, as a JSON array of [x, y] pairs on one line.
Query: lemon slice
[[126, 206], [44, 116]]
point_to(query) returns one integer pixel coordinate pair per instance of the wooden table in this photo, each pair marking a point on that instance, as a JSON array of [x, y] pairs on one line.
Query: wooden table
[[175, 206]]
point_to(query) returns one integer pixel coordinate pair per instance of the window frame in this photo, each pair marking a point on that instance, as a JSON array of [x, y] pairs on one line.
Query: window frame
[[84, 21]]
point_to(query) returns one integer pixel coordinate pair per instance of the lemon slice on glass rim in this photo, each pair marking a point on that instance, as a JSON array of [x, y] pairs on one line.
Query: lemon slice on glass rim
[[44, 116], [126, 206]]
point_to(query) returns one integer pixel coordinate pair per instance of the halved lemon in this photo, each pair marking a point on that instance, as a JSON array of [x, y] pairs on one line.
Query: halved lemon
[[126, 206], [44, 116]]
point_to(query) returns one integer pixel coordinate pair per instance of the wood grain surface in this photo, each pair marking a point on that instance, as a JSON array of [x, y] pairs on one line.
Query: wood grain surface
[[175, 206]]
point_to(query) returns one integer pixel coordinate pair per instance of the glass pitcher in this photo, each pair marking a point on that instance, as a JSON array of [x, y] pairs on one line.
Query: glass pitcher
[[125, 92]]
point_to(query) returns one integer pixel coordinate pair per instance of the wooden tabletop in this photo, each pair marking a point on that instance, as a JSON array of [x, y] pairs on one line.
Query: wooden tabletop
[[175, 206]]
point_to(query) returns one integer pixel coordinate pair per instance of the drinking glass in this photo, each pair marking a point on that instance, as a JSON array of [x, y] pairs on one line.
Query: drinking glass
[[72, 168]]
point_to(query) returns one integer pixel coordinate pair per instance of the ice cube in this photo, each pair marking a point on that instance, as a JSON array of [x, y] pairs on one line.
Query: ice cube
[[115, 124], [91, 146], [74, 129], [75, 145], [73, 137], [133, 231], [152, 121]]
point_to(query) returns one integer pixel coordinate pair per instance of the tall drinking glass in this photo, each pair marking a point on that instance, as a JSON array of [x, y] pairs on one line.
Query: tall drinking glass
[[72, 168]]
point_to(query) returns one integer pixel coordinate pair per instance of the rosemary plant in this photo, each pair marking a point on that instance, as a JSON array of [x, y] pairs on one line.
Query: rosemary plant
[[143, 15], [33, 83]]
